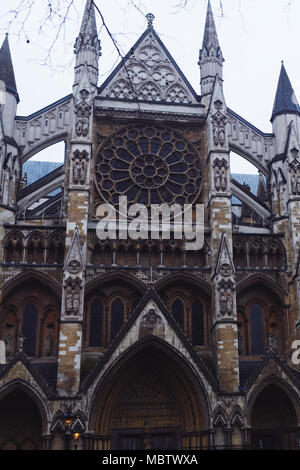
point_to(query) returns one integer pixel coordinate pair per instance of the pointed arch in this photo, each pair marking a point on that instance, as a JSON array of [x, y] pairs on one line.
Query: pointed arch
[[163, 357], [10, 285], [281, 384], [33, 394]]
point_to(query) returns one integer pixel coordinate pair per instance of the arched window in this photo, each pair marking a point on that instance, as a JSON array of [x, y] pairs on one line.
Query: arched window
[[29, 328], [178, 312], [257, 330], [96, 323], [197, 324], [116, 317], [35, 249], [14, 250]]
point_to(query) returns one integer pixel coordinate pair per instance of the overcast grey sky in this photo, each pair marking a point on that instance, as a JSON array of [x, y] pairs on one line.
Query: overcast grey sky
[[255, 35]]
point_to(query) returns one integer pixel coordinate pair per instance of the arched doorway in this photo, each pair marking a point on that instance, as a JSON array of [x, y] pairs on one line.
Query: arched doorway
[[20, 423], [274, 421], [151, 402]]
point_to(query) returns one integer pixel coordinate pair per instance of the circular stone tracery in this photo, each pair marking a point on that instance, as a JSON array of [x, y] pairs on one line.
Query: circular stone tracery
[[149, 165], [149, 171]]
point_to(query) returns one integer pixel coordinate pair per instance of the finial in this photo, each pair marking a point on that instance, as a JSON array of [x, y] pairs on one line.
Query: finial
[[150, 17]]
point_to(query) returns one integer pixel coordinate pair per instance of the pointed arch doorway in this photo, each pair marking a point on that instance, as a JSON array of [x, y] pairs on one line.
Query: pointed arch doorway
[[274, 423], [21, 424], [151, 401]]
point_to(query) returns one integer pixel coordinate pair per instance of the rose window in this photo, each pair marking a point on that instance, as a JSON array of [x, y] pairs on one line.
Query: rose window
[[148, 165]]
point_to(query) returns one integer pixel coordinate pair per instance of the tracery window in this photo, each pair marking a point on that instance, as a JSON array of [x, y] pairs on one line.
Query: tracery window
[[148, 165], [189, 313], [31, 310]]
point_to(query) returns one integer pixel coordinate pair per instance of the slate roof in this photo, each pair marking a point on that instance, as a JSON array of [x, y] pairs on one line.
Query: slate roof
[[36, 170], [285, 99]]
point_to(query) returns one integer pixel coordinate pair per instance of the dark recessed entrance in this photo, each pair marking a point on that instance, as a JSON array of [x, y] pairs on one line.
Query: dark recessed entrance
[[274, 421]]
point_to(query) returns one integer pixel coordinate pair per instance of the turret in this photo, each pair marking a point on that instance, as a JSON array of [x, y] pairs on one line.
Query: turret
[[285, 110], [210, 57]]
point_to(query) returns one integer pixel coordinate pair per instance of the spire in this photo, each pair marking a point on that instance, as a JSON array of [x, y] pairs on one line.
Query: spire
[[210, 57], [285, 99], [87, 46], [6, 69], [88, 25], [210, 37]]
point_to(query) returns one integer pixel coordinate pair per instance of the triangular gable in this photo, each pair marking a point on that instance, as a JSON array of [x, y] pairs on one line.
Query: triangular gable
[[148, 73], [224, 260], [150, 318], [271, 365], [74, 261], [20, 368]]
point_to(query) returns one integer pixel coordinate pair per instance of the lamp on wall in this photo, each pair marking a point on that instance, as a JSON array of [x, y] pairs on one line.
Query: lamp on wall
[[68, 419]]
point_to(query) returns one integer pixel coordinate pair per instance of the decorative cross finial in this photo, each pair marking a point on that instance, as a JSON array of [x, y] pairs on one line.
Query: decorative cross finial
[[150, 17]]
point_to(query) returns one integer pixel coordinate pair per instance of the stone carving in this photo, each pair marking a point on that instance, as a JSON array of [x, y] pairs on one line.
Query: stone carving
[[220, 174], [225, 269], [83, 111], [177, 94], [151, 319], [294, 168], [121, 89], [72, 299], [149, 75], [150, 90], [80, 162], [218, 124], [226, 297]]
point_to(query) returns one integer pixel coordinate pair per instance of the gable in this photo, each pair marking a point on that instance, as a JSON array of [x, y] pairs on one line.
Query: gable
[[148, 73], [150, 320]]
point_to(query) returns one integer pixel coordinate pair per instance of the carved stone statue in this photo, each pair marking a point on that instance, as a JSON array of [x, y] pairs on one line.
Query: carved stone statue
[[48, 345], [83, 111], [223, 303], [72, 299], [69, 300]]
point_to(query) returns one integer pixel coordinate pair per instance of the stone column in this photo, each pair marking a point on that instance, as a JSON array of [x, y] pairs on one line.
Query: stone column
[[224, 330]]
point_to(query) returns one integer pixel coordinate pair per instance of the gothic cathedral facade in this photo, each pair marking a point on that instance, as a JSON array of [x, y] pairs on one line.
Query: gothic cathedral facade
[[140, 343]]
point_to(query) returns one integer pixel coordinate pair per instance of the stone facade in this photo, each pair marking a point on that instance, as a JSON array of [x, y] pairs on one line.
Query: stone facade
[[142, 342]]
